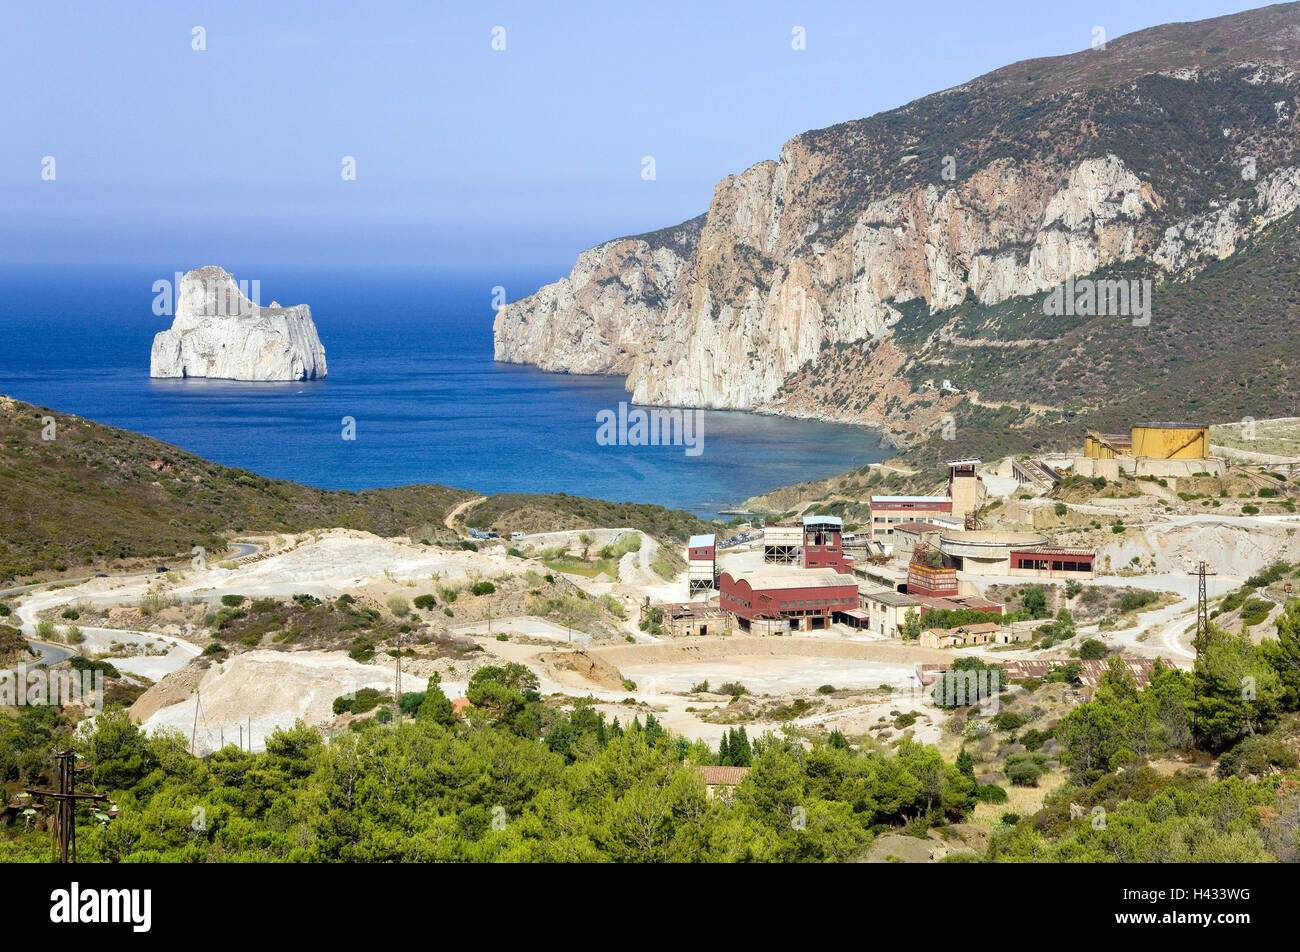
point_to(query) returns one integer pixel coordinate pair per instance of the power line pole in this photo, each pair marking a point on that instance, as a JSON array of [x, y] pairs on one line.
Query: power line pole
[[397, 689], [1202, 607], [195, 729], [64, 840], [1201, 638]]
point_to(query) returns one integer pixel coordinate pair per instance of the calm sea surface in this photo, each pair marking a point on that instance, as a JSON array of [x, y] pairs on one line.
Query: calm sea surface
[[410, 358]]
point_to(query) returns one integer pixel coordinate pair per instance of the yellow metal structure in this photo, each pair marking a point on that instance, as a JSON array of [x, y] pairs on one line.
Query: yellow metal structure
[[1171, 441]]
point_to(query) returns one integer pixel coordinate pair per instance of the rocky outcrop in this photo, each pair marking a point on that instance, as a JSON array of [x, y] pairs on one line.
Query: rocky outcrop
[[994, 190], [218, 332]]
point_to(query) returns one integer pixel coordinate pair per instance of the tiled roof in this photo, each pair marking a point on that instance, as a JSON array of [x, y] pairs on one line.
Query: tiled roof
[[722, 776]]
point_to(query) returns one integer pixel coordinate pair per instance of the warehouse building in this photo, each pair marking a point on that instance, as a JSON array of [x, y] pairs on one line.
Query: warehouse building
[[796, 599]]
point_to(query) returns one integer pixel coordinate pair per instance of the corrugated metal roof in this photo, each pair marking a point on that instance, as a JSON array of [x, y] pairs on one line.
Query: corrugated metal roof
[[823, 520], [939, 499]]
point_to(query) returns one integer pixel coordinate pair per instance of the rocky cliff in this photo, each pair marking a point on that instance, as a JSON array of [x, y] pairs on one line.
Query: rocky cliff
[[218, 332], [1167, 150]]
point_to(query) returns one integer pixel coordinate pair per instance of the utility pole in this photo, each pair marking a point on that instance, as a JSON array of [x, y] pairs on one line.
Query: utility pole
[[1202, 635], [195, 729], [64, 840], [1202, 607], [397, 690]]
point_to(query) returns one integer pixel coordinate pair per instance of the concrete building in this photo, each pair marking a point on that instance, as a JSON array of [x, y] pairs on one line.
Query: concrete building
[[907, 536], [1024, 554], [782, 542], [983, 552], [965, 494], [887, 610], [694, 619], [965, 488], [701, 564], [889, 512], [963, 636], [795, 599]]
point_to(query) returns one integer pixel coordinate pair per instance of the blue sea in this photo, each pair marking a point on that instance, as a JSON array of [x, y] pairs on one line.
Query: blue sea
[[410, 359]]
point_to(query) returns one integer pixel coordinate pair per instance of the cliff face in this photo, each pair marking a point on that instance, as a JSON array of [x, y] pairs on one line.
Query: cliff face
[[1170, 149], [218, 332]]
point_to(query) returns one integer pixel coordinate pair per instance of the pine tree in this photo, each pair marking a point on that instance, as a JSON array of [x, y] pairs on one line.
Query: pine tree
[[966, 763], [741, 754], [435, 706], [724, 749], [1284, 654]]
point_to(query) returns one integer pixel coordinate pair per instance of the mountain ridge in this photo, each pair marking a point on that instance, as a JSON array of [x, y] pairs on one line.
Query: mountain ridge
[[1171, 149]]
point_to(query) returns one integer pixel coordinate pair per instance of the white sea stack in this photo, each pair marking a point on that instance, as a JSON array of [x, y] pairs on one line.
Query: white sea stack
[[218, 332]]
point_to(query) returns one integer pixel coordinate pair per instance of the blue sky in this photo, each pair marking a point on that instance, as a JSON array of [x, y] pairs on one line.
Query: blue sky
[[464, 155]]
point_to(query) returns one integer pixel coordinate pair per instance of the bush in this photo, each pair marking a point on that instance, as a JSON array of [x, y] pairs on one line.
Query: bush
[[1062, 508], [483, 588], [1134, 600], [1023, 770], [1093, 650], [71, 613], [399, 606], [383, 715], [214, 647], [232, 601], [1033, 738], [990, 793], [1007, 720], [45, 630], [73, 635], [1259, 755], [1250, 510], [425, 601]]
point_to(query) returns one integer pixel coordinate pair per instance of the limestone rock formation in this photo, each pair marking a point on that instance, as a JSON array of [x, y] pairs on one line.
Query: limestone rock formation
[[997, 189], [218, 332]]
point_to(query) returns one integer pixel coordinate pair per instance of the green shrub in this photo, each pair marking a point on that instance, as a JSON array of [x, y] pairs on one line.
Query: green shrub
[[232, 601], [1023, 770], [425, 601], [483, 588], [1093, 649]]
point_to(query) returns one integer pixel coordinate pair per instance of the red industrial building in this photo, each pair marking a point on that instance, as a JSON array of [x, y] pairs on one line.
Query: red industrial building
[[799, 599], [823, 546], [1052, 560]]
